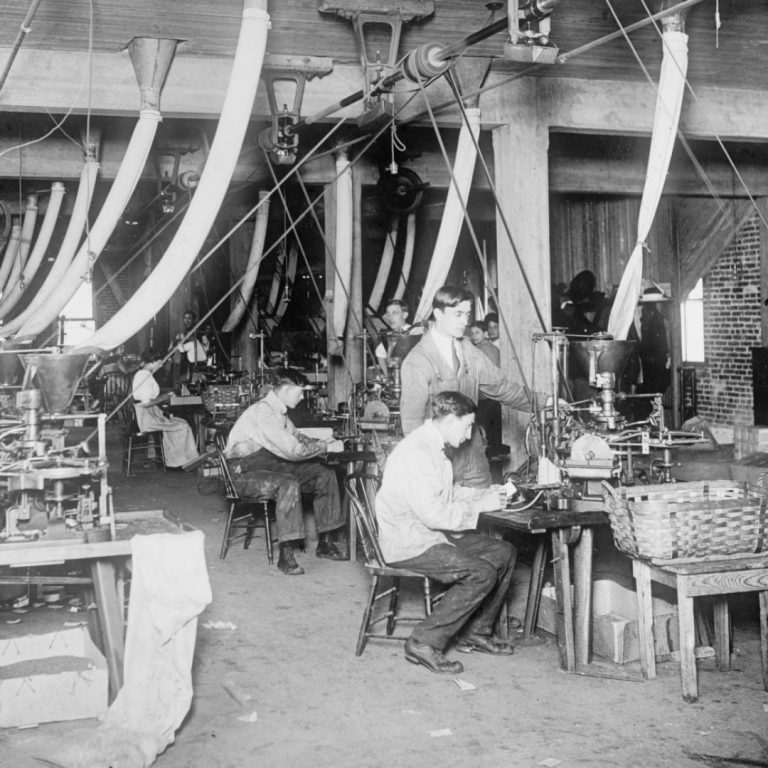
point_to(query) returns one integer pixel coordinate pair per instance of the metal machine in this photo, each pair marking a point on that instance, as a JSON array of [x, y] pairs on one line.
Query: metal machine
[[49, 488], [592, 440]]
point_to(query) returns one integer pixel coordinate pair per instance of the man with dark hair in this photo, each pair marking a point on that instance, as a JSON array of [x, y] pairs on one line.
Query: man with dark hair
[[445, 360], [492, 323], [426, 524], [190, 347], [396, 317], [268, 456]]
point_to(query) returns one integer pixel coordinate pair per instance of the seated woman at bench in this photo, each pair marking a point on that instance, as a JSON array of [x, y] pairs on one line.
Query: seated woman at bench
[[178, 440]]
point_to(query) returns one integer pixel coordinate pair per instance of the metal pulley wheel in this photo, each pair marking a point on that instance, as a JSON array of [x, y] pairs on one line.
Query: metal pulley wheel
[[587, 448]]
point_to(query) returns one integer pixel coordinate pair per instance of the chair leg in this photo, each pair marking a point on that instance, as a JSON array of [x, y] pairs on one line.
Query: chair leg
[[268, 535], [160, 448], [249, 528], [227, 527], [393, 595], [363, 636], [128, 462], [427, 597], [763, 597]]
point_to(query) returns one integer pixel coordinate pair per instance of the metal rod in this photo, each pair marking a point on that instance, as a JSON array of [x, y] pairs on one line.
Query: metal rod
[[22, 33], [630, 28]]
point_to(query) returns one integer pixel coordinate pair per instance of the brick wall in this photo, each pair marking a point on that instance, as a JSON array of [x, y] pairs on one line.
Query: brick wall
[[731, 327]]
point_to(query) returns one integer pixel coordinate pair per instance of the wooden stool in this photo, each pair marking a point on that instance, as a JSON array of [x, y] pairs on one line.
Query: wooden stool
[[693, 578]]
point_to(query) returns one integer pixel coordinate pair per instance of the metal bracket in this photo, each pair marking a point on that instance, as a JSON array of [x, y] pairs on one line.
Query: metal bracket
[[529, 27], [377, 106], [284, 80]]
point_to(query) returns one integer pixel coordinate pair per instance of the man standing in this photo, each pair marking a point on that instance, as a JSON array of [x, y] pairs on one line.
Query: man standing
[[426, 524], [190, 347], [445, 360], [268, 456]]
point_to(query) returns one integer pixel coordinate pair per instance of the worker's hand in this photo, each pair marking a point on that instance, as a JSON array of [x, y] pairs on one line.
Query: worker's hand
[[563, 405], [494, 498], [334, 446]]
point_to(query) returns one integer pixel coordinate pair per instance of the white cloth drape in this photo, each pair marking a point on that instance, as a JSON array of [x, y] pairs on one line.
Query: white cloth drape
[[67, 250], [19, 255], [385, 265], [254, 260], [453, 213], [669, 101], [165, 278], [405, 272], [21, 274], [342, 256]]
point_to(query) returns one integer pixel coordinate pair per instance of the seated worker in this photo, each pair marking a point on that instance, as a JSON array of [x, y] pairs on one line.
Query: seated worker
[[396, 317], [268, 456], [426, 524], [491, 321], [445, 360], [178, 441]]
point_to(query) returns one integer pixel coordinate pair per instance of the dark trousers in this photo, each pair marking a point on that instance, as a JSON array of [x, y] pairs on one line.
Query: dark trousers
[[470, 462], [479, 570], [264, 474]]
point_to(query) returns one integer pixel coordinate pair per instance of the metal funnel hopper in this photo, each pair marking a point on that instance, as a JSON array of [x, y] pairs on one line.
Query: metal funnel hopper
[[593, 356], [11, 369], [57, 377]]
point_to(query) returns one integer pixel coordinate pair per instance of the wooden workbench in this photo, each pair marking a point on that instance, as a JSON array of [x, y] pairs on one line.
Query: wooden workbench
[[566, 529], [106, 560]]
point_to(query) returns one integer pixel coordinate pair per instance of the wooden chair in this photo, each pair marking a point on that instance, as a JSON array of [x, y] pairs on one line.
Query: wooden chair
[[243, 514], [136, 440], [361, 504]]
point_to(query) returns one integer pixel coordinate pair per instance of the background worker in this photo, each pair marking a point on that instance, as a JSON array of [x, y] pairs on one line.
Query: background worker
[[396, 318], [426, 524], [267, 455]]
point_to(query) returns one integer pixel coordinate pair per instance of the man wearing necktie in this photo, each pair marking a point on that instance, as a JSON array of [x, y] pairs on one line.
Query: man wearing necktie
[[445, 360]]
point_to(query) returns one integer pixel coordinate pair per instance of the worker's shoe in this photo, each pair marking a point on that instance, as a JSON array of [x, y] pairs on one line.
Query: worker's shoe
[[431, 658], [286, 562], [326, 547], [484, 644]]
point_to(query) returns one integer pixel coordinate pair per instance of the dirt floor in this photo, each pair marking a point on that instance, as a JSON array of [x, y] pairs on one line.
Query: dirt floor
[[290, 666]]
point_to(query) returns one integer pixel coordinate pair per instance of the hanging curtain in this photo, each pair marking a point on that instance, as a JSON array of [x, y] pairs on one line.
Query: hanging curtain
[[66, 251], [405, 272], [180, 255], [21, 275], [669, 101], [254, 260], [385, 265], [453, 213], [339, 299]]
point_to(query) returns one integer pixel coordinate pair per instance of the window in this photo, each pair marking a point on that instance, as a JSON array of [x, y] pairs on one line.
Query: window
[[692, 314], [77, 316]]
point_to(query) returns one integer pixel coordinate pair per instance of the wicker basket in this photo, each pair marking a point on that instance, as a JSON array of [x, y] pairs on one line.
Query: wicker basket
[[697, 519]]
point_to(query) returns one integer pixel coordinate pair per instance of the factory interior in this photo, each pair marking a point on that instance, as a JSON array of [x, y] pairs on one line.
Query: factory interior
[[235, 240]]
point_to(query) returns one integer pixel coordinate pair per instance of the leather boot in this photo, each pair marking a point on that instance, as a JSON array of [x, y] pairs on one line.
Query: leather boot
[[326, 547], [286, 562], [431, 658]]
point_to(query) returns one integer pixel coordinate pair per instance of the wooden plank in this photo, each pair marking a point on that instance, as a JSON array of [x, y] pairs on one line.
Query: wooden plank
[[722, 633], [688, 679], [764, 637], [111, 620], [642, 574], [564, 602], [582, 595], [727, 583]]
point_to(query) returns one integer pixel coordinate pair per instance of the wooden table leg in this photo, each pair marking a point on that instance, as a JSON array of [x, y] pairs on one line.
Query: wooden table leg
[[582, 595], [534, 588], [642, 574], [687, 642], [564, 608], [722, 633], [111, 620], [764, 636]]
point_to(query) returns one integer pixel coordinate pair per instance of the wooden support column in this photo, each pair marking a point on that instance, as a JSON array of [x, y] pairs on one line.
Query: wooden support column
[[347, 370], [521, 173], [244, 349], [762, 203]]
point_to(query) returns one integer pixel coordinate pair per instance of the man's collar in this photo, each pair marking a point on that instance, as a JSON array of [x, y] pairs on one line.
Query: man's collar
[[275, 402], [433, 435]]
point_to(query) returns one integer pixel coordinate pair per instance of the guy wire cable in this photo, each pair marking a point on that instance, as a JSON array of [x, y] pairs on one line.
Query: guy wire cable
[[719, 141]]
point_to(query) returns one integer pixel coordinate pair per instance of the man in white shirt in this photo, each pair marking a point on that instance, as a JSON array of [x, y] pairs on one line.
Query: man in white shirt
[[268, 456], [426, 524], [396, 318], [191, 346]]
